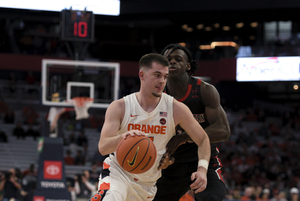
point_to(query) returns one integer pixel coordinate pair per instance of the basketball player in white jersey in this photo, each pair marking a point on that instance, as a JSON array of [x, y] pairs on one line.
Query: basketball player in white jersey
[[149, 106]]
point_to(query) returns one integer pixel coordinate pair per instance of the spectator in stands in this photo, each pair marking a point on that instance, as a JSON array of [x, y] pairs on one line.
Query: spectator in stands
[[279, 196], [287, 131], [29, 170], [251, 115], [3, 136], [71, 189], [294, 192], [29, 183], [82, 140], [229, 197], [257, 192], [36, 133], [19, 131], [30, 78], [79, 158], [73, 147], [94, 172], [261, 116], [30, 115], [78, 126], [10, 186], [98, 158], [265, 195], [239, 128], [69, 160], [274, 129], [32, 132], [83, 187], [248, 194], [18, 173], [71, 138], [3, 107], [236, 193], [19, 176], [12, 82], [96, 121], [264, 131], [9, 116], [70, 126]]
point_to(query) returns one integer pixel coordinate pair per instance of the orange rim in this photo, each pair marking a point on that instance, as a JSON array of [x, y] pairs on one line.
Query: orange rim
[[80, 101]]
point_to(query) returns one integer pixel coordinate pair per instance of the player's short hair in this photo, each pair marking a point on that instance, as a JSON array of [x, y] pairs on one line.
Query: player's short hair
[[148, 59], [174, 46]]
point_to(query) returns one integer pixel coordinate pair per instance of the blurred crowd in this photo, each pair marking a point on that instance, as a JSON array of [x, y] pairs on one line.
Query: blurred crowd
[[21, 185], [262, 153]]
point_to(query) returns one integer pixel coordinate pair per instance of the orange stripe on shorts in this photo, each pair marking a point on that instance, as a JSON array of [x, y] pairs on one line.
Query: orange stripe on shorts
[[105, 166], [104, 186]]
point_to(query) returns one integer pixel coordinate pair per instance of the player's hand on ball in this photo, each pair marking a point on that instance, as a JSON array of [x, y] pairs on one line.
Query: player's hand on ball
[[165, 161], [133, 133], [199, 180]]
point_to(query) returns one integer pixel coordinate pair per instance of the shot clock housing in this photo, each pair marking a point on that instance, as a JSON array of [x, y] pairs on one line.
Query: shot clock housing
[[77, 25]]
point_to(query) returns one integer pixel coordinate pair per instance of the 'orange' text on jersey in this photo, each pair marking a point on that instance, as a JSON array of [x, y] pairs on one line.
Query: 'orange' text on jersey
[[154, 129]]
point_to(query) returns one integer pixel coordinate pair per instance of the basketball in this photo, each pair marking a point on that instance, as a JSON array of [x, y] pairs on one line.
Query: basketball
[[136, 154]]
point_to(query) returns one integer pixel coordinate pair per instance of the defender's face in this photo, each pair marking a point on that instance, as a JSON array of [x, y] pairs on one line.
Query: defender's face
[[178, 61]]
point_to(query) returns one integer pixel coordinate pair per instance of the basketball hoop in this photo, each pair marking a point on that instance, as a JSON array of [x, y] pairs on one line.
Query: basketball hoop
[[81, 106]]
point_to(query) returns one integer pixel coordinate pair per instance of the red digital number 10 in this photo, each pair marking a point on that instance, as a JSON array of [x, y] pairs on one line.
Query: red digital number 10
[[80, 29]]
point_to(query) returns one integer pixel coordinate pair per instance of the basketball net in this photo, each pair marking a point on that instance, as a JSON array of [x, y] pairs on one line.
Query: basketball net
[[81, 106]]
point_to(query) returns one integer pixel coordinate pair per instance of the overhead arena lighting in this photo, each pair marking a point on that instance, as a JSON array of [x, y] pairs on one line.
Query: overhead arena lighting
[[98, 7], [215, 44]]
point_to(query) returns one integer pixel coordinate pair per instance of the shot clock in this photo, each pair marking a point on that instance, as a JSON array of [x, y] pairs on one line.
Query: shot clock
[[77, 25]]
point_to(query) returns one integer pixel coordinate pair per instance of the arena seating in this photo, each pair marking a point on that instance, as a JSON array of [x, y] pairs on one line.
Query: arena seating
[[20, 153]]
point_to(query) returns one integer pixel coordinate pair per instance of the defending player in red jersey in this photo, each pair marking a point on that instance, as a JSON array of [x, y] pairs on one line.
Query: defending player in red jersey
[[203, 100]]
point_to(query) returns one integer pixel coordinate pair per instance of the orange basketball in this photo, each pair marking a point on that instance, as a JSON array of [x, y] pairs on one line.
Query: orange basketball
[[136, 154]]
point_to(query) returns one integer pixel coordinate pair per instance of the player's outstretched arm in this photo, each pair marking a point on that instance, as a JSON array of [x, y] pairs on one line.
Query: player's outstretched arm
[[171, 147], [109, 139], [184, 117], [219, 129]]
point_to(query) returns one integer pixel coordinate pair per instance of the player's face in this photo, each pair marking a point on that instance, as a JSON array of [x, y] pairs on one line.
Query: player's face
[[178, 61], [155, 78]]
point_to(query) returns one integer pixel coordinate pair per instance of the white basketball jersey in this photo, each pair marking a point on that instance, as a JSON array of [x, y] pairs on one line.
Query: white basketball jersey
[[158, 125]]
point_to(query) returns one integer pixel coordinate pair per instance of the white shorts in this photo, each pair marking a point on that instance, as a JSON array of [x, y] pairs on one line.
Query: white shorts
[[122, 186]]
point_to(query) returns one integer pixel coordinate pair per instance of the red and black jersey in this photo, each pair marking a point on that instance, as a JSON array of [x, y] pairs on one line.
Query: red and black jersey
[[194, 101]]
